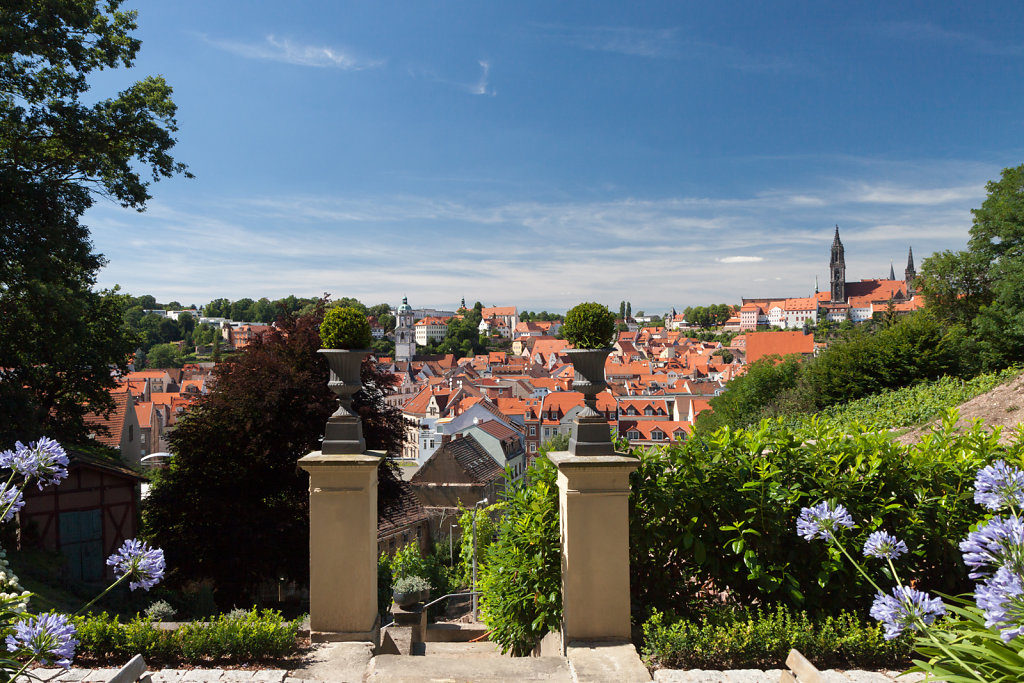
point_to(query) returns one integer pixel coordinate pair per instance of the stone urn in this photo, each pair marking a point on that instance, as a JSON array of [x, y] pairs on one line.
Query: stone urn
[[344, 431], [590, 433]]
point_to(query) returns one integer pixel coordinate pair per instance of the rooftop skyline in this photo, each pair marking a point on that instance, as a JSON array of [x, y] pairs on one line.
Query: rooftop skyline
[[670, 154]]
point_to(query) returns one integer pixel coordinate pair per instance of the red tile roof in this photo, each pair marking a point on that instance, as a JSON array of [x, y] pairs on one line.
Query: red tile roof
[[760, 344]]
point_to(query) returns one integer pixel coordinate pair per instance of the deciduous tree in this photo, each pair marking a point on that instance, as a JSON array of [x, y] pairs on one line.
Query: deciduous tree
[[233, 506], [59, 338]]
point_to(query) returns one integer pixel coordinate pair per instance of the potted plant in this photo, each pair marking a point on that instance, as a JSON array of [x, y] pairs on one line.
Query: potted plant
[[410, 590], [590, 327], [345, 335]]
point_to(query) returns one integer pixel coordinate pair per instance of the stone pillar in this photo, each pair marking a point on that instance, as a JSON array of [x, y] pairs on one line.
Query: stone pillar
[[342, 545], [593, 498]]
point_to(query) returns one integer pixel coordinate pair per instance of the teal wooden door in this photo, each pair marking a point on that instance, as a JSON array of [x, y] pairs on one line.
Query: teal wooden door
[[81, 542]]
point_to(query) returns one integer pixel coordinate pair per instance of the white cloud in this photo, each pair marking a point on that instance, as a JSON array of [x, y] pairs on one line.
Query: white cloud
[[662, 252], [285, 50], [741, 259], [481, 86]]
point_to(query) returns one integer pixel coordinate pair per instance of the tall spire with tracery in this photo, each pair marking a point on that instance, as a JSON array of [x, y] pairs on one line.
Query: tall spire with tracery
[[837, 267]]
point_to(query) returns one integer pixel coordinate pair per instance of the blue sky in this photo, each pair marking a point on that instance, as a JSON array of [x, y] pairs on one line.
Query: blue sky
[[542, 154]]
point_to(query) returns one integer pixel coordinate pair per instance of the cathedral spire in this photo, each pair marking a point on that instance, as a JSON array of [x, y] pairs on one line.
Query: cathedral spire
[[910, 274], [892, 273], [837, 268]]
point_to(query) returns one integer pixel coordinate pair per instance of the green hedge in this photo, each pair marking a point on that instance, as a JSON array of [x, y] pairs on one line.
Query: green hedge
[[720, 513], [755, 639], [255, 635]]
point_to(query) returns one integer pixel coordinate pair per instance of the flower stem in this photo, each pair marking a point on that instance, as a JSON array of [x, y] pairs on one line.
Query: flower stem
[[98, 597]]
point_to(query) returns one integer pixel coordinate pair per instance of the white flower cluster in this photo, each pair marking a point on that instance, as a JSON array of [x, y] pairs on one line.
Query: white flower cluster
[[10, 587]]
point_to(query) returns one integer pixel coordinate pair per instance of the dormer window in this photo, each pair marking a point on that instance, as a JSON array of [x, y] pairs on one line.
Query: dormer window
[[632, 435], [657, 435]]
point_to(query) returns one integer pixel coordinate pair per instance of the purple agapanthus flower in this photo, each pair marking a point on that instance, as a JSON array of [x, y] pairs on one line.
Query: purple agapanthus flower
[[905, 608], [822, 520], [998, 542], [999, 486], [884, 545], [144, 566], [11, 501], [45, 460], [50, 637], [1001, 598]]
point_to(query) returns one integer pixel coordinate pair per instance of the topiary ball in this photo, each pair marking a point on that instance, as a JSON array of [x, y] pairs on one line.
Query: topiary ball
[[589, 326], [345, 328]]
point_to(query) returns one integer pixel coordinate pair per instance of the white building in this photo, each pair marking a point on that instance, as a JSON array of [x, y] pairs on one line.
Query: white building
[[430, 330]]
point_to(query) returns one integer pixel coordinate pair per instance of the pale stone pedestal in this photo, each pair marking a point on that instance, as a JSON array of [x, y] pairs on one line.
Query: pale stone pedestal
[[593, 498], [342, 545]]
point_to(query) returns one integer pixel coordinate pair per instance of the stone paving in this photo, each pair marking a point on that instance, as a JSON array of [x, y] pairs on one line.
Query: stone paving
[[283, 676], [772, 676]]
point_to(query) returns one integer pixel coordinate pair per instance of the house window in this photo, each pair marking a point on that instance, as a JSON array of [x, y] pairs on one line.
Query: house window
[[533, 430], [632, 435], [657, 435], [533, 448], [648, 411]]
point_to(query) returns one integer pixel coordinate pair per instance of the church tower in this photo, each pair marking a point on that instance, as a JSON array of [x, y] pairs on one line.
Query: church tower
[[910, 273], [405, 336], [837, 266]]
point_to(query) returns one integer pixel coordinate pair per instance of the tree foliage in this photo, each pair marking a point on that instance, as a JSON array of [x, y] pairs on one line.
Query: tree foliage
[[916, 348], [707, 317], [982, 286], [58, 338], [233, 506]]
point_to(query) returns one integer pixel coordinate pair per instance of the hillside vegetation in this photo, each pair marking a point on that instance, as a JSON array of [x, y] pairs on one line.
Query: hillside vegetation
[[909, 406]]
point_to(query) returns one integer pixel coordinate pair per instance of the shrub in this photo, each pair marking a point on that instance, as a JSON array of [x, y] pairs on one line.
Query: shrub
[[589, 326], [160, 610], [718, 513], [256, 635], [761, 639], [408, 561], [345, 328], [486, 531], [521, 579], [411, 584]]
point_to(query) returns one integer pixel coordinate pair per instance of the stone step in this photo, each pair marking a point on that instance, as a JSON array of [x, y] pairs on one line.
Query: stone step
[[483, 667]]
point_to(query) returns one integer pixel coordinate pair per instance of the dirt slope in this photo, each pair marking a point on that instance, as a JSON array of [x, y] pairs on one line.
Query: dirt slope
[[1003, 406]]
